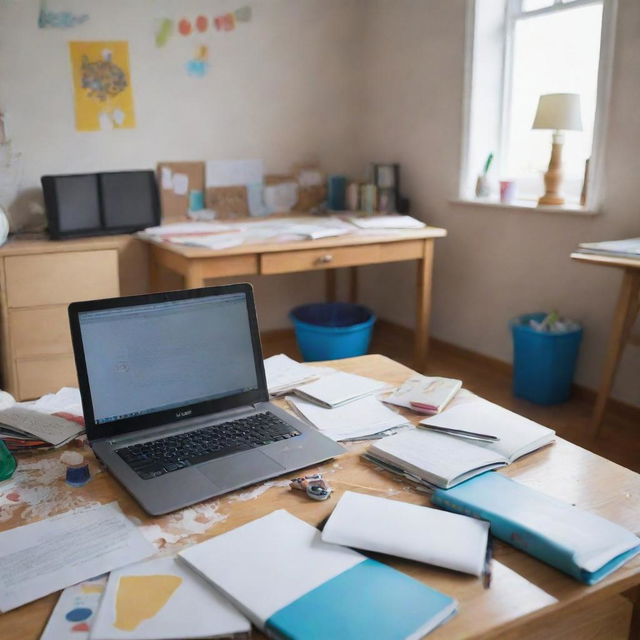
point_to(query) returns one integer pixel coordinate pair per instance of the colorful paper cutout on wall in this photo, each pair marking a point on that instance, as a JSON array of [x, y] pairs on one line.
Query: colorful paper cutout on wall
[[226, 22], [59, 19], [202, 23], [184, 27], [102, 85], [142, 597], [163, 32], [243, 14], [199, 64]]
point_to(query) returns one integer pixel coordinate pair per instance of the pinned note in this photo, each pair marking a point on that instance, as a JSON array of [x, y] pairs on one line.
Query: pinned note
[[166, 178], [180, 184]]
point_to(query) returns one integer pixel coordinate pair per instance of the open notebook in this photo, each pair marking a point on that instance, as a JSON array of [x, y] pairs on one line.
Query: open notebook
[[339, 389], [437, 459]]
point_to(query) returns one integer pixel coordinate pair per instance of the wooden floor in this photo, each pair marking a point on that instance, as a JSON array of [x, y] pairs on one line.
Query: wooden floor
[[619, 439]]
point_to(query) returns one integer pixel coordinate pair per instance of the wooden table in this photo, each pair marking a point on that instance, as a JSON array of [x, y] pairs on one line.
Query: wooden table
[[197, 265], [625, 315], [527, 599]]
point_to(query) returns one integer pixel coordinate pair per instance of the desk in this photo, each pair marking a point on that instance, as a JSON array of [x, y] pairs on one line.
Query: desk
[[625, 315], [196, 265], [525, 596]]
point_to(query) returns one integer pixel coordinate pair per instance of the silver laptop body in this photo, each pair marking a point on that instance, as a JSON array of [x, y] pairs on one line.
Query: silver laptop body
[[159, 369]]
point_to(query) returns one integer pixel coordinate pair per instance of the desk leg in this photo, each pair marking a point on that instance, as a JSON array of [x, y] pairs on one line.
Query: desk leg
[[353, 284], [423, 306], [625, 314], [155, 284], [193, 278], [633, 595], [330, 284]]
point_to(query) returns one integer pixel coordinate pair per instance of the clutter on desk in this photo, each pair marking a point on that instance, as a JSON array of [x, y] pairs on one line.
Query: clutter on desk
[[77, 474], [49, 555], [75, 612], [409, 531], [361, 419], [314, 485], [339, 389], [302, 583], [162, 599], [284, 374], [425, 394], [581, 544]]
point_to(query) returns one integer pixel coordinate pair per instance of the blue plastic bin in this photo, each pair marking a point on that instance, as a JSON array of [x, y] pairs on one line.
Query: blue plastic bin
[[543, 362], [332, 330]]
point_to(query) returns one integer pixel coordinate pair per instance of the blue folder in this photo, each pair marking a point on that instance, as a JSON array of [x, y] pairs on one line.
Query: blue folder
[[577, 542]]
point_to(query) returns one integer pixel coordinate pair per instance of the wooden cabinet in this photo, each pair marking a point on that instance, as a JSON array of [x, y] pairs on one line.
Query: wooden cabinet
[[38, 280]]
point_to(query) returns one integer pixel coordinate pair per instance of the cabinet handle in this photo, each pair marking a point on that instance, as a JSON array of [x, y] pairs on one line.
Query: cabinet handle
[[326, 258]]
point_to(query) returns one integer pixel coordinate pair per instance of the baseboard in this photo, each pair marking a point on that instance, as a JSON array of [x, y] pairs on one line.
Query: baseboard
[[623, 409]]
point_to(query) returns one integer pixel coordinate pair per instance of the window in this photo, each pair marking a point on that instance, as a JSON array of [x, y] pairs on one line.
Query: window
[[520, 50]]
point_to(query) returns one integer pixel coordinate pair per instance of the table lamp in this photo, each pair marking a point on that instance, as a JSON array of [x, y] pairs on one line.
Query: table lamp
[[560, 112]]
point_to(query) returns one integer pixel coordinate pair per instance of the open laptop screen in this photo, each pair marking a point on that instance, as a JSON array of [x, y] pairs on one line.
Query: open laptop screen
[[167, 356]]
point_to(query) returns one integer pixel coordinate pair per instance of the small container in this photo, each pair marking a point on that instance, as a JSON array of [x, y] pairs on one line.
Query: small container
[[483, 189], [368, 197], [336, 193], [353, 196], [196, 200], [7, 462], [507, 191]]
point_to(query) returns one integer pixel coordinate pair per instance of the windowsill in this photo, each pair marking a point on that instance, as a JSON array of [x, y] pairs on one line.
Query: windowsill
[[525, 205]]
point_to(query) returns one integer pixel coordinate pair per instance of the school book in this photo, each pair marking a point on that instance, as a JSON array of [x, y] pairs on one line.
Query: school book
[[339, 388], [577, 542], [161, 599], [409, 531], [291, 584], [443, 460], [425, 394]]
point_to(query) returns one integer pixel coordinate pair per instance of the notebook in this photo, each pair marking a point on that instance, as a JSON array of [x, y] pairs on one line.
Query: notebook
[[437, 459], [162, 599], [425, 394], [339, 388], [292, 585], [359, 419], [409, 531], [579, 543]]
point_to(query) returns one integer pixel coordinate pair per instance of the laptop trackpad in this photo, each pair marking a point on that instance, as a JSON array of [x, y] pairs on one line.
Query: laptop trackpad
[[245, 468]]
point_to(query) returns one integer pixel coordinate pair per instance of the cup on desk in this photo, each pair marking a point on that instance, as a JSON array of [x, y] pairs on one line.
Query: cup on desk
[[196, 200], [507, 191]]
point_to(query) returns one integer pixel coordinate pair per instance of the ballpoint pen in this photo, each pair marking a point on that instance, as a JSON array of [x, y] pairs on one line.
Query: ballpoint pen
[[471, 435]]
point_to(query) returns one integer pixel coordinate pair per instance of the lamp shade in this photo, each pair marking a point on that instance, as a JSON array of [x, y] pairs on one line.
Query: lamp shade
[[558, 111]]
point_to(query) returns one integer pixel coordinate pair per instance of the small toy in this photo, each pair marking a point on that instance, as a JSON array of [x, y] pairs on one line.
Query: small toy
[[314, 486]]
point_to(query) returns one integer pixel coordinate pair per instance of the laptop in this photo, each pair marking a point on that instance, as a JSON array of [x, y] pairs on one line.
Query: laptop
[[175, 397]]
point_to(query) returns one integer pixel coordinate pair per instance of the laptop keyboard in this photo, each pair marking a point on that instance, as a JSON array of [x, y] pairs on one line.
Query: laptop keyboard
[[155, 458]]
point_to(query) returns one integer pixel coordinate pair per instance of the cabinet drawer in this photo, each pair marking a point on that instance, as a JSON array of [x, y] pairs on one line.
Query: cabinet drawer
[[59, 278], [45, 375], [39, 332], [310, 259]]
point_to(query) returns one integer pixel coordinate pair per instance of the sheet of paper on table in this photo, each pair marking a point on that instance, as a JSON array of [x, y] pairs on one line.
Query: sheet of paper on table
[[283, 373], [40, 558]]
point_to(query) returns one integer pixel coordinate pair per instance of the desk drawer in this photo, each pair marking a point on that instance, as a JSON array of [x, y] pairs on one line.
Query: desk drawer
[[38, 376], [310, 259], [59, 278], [39, 332]]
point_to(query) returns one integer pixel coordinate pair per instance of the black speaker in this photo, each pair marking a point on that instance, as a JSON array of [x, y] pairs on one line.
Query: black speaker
[[94, 204]]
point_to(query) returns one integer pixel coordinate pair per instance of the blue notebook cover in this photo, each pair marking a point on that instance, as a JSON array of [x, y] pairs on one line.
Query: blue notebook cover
[[577, 542]]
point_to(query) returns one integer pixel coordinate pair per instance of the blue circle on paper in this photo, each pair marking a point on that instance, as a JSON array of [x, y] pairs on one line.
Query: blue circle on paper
[[78, 615]]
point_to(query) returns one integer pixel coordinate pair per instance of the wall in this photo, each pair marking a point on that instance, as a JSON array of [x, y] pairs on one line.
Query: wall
[[279, 88], [495, 263]]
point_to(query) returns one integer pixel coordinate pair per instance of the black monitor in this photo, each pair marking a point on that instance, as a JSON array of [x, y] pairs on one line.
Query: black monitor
[[100, 203]]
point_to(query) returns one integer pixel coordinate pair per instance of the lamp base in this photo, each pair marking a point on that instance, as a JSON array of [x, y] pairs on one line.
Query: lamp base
[[550, 199]]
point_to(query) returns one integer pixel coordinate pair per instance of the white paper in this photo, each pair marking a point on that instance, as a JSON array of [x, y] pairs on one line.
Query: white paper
[[166, 178], [364, 417], [43, 557], [310, 178], [43, 426], [217, 241], [190, 228], [283, 373], [281, 197], [180, 184], [194, 609], [231, 173], [85, 596], [408, 531], [387, 222], [268, 563], [66, 400], [434, 391], [340, 388]]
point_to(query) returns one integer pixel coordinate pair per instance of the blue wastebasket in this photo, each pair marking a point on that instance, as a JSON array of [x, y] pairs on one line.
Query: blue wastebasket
[[543, 362], [332, 330]]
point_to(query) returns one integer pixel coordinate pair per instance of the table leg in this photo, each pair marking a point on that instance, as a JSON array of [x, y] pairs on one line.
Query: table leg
[[193, 278], [353, 284], [625, 313], [330, 284], [633, 595], [155, 284], [423, 306]]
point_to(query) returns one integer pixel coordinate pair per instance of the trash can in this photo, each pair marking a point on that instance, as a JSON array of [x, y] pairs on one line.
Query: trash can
[[543, 361], [332, 330]]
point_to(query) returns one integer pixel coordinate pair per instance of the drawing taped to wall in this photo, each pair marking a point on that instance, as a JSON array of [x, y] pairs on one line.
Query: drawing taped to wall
[[58, 19], [199, 64], [102, 85]]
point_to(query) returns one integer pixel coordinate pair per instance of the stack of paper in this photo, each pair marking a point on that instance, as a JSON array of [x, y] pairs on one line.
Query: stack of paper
[[425, 394], [339, 389], [629, 248], [284, 374], [386, 222], [353, 421]]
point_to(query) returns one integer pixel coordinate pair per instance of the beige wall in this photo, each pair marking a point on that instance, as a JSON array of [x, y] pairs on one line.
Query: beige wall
[[496, 263]]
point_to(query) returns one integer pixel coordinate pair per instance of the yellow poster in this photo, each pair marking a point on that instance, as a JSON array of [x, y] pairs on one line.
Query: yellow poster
[[102, 85]]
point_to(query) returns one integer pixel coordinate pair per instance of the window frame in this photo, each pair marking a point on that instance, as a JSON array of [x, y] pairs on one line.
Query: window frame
[[512, 12]]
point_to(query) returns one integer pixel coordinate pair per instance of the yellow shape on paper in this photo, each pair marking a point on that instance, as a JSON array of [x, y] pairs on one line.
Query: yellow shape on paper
[[142, 597], [102, 85], [92, 588]]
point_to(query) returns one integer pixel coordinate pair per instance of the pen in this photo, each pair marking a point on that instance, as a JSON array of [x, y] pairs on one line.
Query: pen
[[472, 435]]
